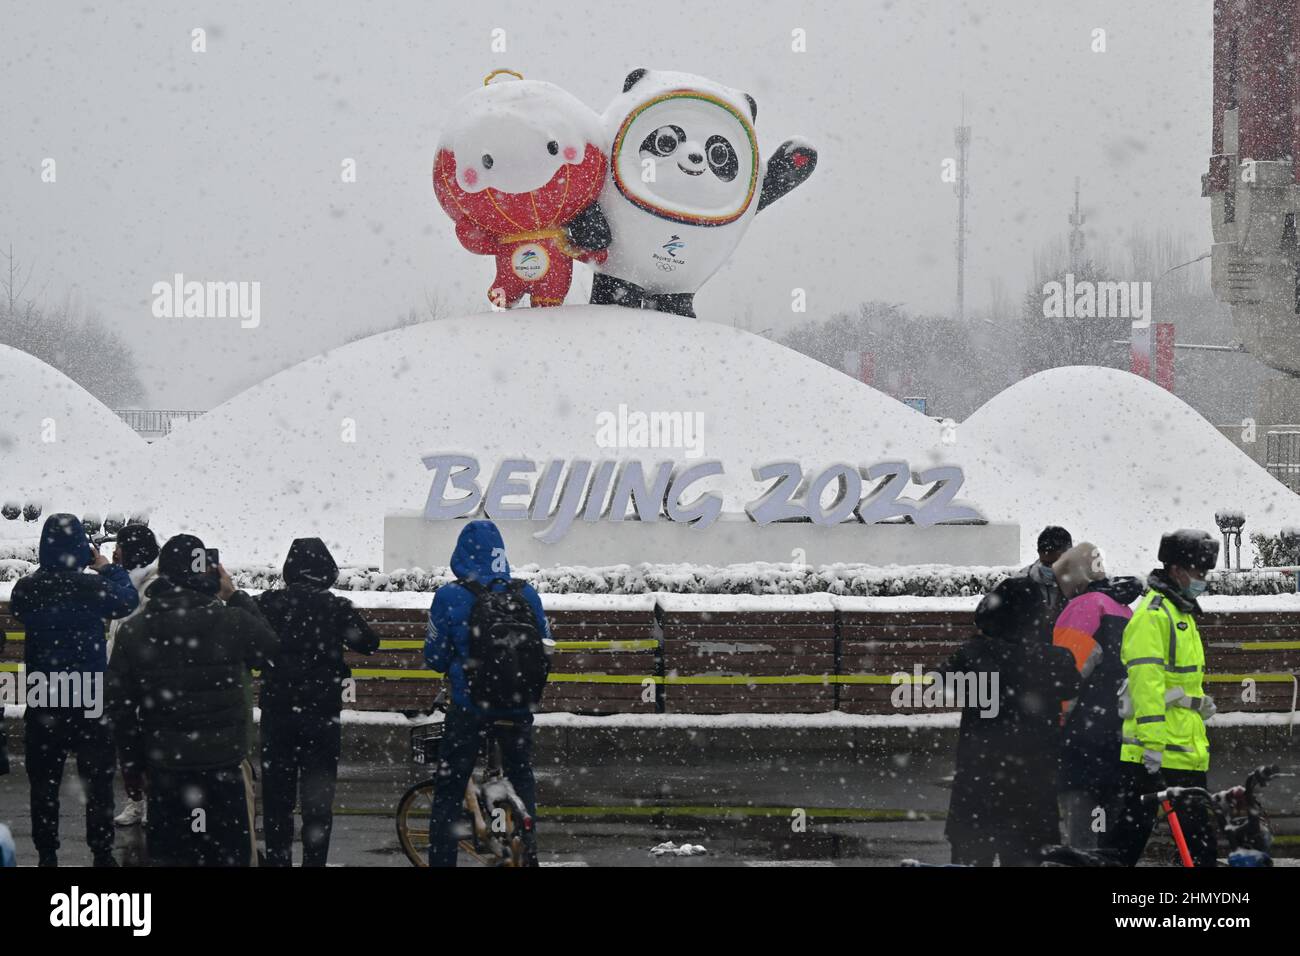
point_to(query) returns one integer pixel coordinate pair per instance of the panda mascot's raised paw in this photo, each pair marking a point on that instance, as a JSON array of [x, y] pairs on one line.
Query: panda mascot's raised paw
[[685, 180]]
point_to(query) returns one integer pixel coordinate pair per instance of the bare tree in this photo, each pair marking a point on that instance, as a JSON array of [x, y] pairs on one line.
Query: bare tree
[[70, 337], [435, 308]]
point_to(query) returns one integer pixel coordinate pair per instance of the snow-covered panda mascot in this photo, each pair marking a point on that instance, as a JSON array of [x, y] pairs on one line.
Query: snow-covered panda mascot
[[685, 180]]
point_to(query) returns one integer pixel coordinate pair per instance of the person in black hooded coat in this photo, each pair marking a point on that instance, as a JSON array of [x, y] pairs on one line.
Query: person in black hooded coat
[[180, 716], [1004, 792], [302, 695]]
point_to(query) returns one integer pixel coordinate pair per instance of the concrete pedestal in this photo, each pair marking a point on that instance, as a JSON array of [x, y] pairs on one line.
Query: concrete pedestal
[[411, 541]]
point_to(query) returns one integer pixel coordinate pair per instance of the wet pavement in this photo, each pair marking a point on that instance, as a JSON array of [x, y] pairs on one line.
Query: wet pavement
[[759, 806]]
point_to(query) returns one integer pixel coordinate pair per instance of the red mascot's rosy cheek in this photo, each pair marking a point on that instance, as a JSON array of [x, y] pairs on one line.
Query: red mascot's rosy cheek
[[550, 206], [570, 153]]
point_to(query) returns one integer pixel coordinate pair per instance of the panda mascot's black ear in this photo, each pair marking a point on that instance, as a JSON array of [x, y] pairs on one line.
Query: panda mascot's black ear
[[753, 109], [634, 78]]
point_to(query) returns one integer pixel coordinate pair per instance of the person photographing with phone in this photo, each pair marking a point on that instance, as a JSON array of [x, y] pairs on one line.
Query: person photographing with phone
[[176, 696], [63, 605]]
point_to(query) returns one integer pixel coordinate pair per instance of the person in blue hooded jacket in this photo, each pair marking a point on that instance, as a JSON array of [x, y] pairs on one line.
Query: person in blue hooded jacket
[[63, 609], [480, 557]]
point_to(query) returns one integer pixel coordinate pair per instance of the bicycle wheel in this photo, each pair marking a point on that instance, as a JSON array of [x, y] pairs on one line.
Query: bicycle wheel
[[523, 844], [413, 812], [520, 843]]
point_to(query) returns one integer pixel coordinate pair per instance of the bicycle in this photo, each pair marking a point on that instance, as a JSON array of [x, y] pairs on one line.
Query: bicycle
[[1237, 813], [502, 829]]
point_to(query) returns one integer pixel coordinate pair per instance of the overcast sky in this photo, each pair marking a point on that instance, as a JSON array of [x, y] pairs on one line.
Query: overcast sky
[[225, 165]]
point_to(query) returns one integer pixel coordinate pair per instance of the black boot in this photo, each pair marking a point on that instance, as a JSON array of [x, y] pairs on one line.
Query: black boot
[[607, 290], [47, 858], [105, 859], [677, 303]]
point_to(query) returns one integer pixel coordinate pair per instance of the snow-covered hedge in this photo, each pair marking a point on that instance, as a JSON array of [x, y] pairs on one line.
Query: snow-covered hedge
[[857, 580], [21, 550], [849, 580], [1271, 551]]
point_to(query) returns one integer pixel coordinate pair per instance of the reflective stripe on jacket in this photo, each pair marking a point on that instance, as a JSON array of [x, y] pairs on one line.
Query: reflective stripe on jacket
[[1165, 661]]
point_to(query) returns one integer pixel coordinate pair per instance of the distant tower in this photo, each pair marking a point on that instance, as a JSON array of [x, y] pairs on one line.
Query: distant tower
[[962, 189], [1077, 219]]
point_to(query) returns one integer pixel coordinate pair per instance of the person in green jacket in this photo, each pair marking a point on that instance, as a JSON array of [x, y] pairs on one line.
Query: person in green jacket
[[1163, 702]]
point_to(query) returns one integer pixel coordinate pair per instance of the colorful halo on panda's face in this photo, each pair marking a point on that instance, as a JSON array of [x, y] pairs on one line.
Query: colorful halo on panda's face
[[744, 191]]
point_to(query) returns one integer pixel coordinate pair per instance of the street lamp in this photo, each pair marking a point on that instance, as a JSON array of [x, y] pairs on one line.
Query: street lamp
[[1230, 522]]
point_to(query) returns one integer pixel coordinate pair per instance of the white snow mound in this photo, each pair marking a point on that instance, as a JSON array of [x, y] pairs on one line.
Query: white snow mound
[[60, 446], [1115, 459], [273, 463]]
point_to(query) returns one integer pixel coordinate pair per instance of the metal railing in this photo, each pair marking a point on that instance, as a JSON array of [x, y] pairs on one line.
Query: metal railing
[[154, 421], [1282, 455]]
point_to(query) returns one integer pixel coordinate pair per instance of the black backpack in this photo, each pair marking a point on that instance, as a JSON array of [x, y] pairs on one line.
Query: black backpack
[[507, 664]]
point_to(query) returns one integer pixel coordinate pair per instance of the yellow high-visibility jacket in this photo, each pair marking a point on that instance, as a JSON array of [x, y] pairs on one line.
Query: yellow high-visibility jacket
[[1165, 659]]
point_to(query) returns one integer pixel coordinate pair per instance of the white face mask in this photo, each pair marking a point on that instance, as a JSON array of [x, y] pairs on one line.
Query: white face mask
[[1195, 588]]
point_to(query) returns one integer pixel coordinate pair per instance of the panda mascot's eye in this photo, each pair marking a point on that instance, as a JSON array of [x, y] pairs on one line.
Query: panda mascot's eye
[[553, 148], [487, 160], [663, 141], [722, 158]]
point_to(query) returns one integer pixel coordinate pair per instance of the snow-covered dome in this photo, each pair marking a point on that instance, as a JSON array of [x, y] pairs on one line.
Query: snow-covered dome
[[329, 446], [1115, 459], [278, 461], [61, 446]]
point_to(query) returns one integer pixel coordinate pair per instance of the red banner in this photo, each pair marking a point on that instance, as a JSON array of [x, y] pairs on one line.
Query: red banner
[[1140, 352], [1165, 355]]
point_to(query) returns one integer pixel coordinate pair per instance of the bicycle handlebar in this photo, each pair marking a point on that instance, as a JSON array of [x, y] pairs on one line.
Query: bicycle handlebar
[[1259, 777], [1175, 793]]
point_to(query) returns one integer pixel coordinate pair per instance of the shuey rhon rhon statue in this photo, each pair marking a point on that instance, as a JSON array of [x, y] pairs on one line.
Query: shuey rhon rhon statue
[[516, 167]]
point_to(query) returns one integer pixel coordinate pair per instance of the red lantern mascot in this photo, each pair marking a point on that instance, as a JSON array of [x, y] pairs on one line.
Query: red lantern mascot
[[518, 171]]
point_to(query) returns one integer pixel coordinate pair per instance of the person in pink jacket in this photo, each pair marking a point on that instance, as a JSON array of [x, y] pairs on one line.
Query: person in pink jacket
[[1091, 628]]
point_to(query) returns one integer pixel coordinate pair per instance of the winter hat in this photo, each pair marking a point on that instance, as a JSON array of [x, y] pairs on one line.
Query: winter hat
[[178, 561], [310, 563], [1013, 610], [139, 546], [1078, 568]]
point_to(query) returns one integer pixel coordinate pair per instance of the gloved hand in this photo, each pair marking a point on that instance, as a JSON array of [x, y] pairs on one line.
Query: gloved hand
[[1208, 708], [1151, 761]]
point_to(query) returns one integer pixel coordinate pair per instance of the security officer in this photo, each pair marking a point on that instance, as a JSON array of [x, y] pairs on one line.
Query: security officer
[[1163, 702]]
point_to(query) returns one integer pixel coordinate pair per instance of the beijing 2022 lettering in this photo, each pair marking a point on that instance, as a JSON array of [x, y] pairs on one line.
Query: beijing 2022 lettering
[[561, 492]]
